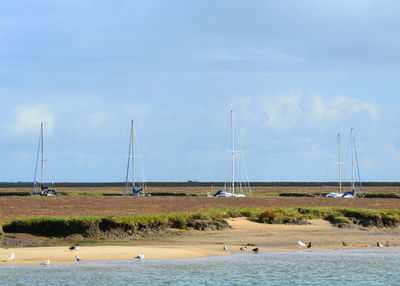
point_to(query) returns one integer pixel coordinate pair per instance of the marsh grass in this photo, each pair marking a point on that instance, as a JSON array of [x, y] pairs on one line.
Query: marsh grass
[[64, 226]]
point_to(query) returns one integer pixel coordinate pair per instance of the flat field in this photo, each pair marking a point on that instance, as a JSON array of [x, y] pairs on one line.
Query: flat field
[[22, 207], [202, 190]]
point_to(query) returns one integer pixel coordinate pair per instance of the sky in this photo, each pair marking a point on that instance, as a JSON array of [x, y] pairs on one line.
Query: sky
[[295, 72]]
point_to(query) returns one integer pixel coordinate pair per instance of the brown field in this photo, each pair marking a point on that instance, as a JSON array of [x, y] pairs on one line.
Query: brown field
[[193, 190], [22, 207]]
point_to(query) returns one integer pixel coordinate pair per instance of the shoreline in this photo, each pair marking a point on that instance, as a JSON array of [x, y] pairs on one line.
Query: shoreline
[[57, 255], [196, 244]]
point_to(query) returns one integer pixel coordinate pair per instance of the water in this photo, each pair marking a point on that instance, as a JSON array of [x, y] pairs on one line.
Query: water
[[340, 267]]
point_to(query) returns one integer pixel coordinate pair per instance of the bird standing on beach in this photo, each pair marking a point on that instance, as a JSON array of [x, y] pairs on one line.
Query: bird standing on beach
[[379, 244], [140, 256], [309, 245], [301, 244], [46, 262], [244, 248], [225, 247], [78, 258], [255, 250], [344, 243], [11, 257], [74, 247]]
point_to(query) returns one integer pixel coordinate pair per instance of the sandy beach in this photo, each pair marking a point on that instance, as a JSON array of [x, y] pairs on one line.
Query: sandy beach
[[192, 244]]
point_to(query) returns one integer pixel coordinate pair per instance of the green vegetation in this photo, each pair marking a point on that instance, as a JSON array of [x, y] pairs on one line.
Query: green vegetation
[[213, 219], [1, 231]]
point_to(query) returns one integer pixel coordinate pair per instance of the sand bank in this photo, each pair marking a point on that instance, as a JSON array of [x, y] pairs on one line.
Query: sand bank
[[192, 244]]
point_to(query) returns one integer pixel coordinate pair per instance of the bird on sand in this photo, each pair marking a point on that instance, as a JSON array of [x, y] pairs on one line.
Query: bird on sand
[[11, 257], [243, 248], [74, 247], [78, 258], [140, 256], [301, 244], [255, 250], [46, 262], [379, 244], [309, 245], [344, 243], [224, 247]]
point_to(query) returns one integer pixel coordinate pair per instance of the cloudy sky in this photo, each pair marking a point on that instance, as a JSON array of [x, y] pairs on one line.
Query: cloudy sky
[[296, 73]]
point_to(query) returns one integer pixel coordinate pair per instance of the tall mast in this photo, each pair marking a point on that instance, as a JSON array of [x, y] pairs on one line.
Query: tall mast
[[42, 163], [233, 152], [353, 170], [340, 166], [133, 156]]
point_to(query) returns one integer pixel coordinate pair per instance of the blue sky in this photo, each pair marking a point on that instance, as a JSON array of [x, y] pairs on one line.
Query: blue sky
[[296, 72]]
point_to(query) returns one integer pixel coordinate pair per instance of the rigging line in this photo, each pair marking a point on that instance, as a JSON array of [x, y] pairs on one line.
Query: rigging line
[[242, 160], [137, 145], [358, 168], [127, 167], [37, 160]]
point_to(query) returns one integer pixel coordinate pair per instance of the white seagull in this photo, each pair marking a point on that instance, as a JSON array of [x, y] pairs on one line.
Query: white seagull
[[11, 257], [140, 256], [46, 262], [244, 248], [78, 258], [379, 244], [301, 244], [225, 247]]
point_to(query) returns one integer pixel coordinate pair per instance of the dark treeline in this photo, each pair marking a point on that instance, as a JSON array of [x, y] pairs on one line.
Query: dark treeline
[[199, 184]]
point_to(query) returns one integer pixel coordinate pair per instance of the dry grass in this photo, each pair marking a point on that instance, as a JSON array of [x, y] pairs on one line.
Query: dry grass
[[72, 206]]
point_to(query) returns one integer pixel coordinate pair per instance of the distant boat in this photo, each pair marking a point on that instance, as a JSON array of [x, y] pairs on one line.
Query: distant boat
[[131, 155], [354, 170], [225, 192], [45, 189]]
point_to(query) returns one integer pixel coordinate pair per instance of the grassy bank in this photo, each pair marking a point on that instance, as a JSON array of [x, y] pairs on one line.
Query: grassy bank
[[213, 219]]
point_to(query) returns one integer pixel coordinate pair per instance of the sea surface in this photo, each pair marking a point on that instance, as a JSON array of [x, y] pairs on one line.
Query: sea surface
[[336, 267]]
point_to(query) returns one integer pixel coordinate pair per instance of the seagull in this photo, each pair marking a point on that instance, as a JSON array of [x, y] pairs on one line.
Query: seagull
[[46, 262], [301, 244], [11, 257], [225, 247], [379, 244], [140, 256], [78, 258], [244, 248], [309, 245], [255, 250], [387, 244], [76, 246], [344, 243]]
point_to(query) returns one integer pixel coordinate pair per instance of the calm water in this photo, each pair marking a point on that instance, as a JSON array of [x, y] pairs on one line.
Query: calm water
[[351, 267]]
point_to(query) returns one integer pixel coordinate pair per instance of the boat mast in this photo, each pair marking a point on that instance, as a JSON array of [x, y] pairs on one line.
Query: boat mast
[[42, 161], [133, 156], [353, 176], [340, 165], [233, 152]]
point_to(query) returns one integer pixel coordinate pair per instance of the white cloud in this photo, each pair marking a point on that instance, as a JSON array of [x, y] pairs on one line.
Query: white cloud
[[27, 119], [292, 110]]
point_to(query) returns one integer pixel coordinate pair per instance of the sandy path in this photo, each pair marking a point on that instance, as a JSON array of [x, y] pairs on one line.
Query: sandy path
[[198, 243]]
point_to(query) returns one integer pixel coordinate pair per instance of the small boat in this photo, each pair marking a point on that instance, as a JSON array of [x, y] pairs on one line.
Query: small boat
[[230, 193], [131, 154], [354, 161], [45, 189]]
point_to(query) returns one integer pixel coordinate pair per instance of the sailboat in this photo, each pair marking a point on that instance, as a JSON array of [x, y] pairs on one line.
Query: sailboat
[[354, 170], [131, 154], [45, 189], [239, 188]]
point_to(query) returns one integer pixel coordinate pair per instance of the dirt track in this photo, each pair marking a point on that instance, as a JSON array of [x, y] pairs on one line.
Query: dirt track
[[21, 207]]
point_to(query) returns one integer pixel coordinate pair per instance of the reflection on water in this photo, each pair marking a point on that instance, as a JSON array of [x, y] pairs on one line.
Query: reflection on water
[[340, 267]]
